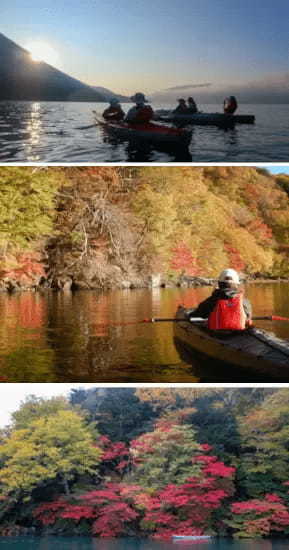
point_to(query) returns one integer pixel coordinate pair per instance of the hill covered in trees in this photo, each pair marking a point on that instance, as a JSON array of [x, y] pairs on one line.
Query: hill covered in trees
[[150, 462], [24, 79], [97, 227]]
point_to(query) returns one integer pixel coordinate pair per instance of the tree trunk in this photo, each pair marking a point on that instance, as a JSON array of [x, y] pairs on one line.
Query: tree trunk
[[66, 487]]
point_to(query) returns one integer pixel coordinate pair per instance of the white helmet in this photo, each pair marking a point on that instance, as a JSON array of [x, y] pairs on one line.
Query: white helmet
[[229, 275]]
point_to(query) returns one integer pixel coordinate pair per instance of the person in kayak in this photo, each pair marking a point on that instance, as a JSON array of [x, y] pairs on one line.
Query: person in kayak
[[182, 108], [226, 308], [230, 105], [192, 106], [114, 112], [139, 113]]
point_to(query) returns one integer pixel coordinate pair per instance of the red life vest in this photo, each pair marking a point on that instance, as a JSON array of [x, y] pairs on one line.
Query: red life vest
[[228, 314], [144, 114]]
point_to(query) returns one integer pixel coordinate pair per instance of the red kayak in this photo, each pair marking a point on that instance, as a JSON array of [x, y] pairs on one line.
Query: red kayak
[[150, 131]]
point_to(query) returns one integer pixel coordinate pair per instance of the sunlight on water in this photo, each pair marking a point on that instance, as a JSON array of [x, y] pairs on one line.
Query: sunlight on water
[[63, 132]]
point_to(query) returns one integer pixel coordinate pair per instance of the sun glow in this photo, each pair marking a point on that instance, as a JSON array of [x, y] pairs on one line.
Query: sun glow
[[41, 51]]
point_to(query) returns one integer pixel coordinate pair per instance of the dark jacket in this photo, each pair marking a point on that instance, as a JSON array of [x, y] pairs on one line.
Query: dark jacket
[[207, 306], [181, 110]]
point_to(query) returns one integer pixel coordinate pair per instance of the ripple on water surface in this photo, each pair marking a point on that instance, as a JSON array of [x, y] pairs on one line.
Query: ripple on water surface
[[62, 132], [87, 543]]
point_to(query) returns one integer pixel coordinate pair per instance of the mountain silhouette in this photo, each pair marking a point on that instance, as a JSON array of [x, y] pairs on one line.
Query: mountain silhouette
[[21, 78]]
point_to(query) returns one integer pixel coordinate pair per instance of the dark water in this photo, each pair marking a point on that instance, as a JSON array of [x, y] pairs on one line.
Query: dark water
[[85, 543], [49, 132], [95, 337]]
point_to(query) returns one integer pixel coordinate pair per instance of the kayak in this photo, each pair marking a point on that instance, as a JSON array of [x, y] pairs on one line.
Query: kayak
[[191, 537], [204, 119], [150, 131], [254, 349]]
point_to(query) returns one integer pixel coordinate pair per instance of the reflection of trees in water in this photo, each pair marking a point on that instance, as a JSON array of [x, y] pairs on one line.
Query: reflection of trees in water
[[89, 346], [83, 336], [26, 356]]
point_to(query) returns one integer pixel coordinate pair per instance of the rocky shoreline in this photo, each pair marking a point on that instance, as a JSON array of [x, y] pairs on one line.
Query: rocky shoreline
[[33, 284]]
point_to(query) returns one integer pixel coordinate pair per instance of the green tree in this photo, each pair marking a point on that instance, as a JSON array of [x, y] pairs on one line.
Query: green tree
[[164, 456], [265, 447], [59, 446], [27, 202], [34, 408]]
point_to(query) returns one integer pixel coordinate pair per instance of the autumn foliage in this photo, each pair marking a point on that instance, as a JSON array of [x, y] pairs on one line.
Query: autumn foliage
[[256, 518], [189, 472], [94, 226]]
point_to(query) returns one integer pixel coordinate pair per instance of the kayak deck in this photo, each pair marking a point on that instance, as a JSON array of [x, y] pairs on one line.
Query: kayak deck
[[205, 119], [150, 131], [253, 349]]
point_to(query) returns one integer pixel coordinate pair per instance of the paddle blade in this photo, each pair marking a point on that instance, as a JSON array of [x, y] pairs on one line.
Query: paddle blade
[[278, 318]]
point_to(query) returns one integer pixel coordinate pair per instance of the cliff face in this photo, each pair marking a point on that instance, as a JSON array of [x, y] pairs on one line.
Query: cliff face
[[23, 79]]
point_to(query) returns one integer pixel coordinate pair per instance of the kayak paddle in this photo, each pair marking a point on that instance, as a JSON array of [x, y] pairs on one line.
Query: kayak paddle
[[178, 320]]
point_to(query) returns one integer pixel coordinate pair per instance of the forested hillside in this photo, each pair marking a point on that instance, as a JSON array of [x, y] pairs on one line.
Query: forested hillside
[[105, 227], [150, 462]]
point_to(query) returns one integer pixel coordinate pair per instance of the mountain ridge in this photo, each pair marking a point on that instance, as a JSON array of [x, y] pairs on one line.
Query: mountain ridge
[[23, 79]]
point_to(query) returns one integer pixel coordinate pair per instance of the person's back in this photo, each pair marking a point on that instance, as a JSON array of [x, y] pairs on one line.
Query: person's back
[[192, 106], [114, 112], [230, 105], [181, 108], [139, 113], [226, 308]]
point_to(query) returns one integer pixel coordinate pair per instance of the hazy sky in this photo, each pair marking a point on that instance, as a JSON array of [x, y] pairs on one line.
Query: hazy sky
[[278, 169], [130, 45], [11, 395]]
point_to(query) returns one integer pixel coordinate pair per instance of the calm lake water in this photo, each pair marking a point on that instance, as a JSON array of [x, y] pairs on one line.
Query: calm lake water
[[50, 132], [79, 337], [85, 543]]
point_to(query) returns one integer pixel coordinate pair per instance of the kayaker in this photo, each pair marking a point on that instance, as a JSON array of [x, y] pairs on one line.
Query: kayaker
[[192, 106], [226, 308], [182, 107], [230, 105], [139, 113], [114, 111]]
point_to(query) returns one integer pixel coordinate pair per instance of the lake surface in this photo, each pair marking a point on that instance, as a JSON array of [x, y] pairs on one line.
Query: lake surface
[[86, 543], [55, 132], [89, 336]]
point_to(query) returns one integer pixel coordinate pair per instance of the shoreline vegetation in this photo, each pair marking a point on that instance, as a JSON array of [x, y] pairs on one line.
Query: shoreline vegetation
[[147, 462], [134, 227], [12, 286]]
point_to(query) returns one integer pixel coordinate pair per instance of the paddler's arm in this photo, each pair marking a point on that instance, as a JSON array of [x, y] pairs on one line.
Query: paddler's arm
[[247, 308], [207, 306]]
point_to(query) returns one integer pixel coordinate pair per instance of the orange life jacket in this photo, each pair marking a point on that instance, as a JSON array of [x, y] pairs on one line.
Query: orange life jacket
[[228, 314]]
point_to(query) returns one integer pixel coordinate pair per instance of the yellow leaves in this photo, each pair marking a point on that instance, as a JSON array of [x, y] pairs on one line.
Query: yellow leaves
[[59, 445]]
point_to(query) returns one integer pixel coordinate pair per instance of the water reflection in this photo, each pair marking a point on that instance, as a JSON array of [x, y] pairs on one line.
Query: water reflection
[[51, 132], [34, 126], [132, 543], [97, 337], [142, 151]]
